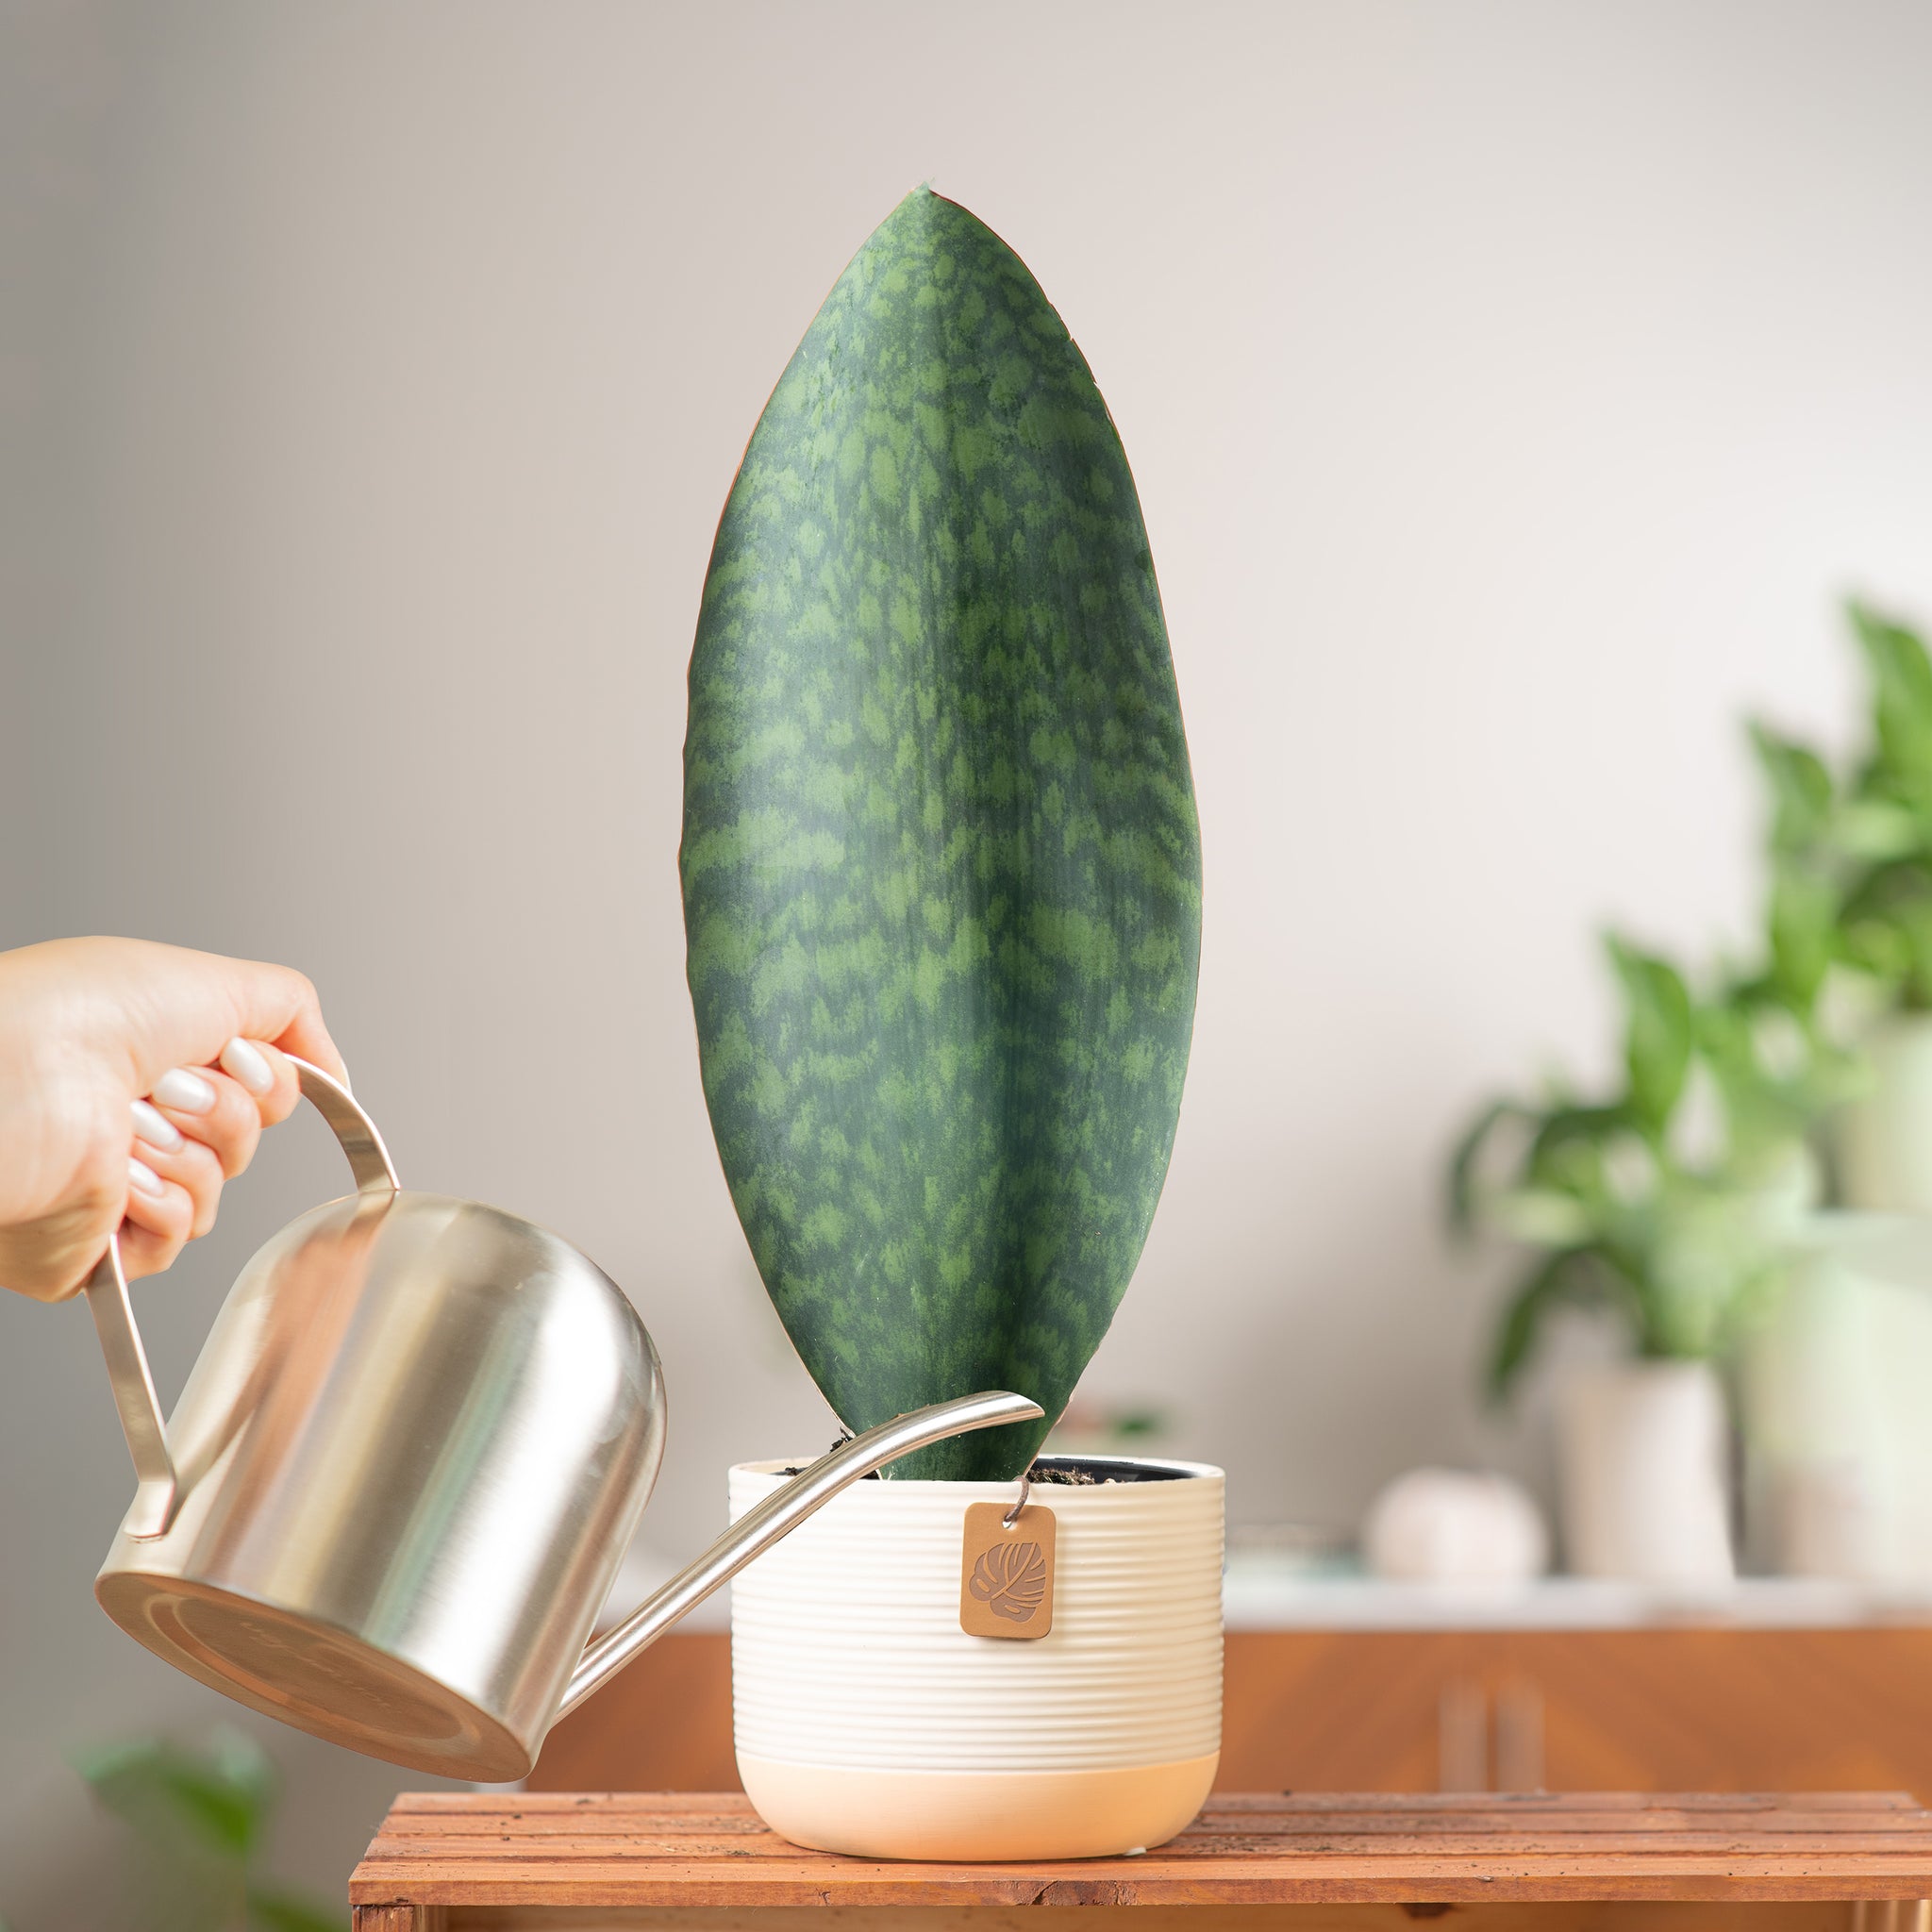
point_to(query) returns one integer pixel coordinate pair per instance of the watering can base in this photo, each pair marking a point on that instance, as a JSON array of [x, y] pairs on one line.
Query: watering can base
[[321, 1680]]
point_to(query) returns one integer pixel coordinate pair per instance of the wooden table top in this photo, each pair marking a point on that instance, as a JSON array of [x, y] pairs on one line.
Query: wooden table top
[[685, 1849]]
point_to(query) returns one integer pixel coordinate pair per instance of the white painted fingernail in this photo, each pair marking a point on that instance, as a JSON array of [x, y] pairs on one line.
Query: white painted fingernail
[[243, 1059], [184, 1091], [145, 1177], [156, 1129]]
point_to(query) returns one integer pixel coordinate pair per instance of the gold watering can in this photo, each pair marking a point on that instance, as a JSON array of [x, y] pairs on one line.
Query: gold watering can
[[397, 1485]]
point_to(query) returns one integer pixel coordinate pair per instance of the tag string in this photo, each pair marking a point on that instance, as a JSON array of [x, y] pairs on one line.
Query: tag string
[[1012, 1515]]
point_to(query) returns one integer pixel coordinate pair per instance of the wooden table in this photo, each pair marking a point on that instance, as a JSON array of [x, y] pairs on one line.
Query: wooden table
[[687, 1861]]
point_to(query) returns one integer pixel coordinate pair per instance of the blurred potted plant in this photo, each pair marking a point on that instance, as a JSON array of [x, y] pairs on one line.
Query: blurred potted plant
[[942, 891], [1665, 1206], [1677, 1216], [1836, 1455], [1852, 900], [201, 1819]]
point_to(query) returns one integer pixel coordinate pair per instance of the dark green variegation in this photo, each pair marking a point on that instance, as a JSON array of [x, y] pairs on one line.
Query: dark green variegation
[[942, 870]]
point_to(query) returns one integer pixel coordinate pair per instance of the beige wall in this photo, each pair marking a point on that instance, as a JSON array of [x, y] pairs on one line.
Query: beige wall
[[1510, 390]]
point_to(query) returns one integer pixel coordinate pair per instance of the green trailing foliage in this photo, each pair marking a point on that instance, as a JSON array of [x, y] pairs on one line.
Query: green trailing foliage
[[1852, 854], [1672, 1240], [941, 863], [1657, 1042], [1628, 1206], [201, 1819]]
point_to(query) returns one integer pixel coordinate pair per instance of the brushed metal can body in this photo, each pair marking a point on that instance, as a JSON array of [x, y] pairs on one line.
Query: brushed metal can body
[[413, 1451], [396, 1489]]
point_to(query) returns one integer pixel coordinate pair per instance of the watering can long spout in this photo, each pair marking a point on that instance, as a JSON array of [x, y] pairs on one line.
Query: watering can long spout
[[784, 1510]]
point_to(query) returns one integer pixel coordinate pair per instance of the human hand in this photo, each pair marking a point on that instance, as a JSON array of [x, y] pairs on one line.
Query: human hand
[[135, 1078]]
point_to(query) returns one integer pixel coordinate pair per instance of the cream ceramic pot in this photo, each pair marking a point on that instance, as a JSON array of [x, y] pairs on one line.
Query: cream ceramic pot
[[1642, 1452], [1883, 1139], [393, 1496], [868, 1722]]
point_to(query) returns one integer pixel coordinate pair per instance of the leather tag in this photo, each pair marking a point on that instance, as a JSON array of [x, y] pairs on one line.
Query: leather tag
[[1005, 1576]]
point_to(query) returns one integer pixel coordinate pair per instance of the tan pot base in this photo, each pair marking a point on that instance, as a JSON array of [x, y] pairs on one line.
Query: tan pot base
[[977, 1815]]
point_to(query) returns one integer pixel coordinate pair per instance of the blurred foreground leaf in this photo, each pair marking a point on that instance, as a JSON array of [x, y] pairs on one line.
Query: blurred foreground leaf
[[218, 1800], [201, 1818], [271, 1908]]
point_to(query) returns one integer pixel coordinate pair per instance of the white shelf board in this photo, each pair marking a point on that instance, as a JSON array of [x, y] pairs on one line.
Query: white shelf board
[[1262, 1596]]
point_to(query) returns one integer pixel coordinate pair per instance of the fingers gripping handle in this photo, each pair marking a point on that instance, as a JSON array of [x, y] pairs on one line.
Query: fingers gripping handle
[[157, 1496]]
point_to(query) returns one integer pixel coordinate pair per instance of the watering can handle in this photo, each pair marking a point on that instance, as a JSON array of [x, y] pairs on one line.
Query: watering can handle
[[158, 1495]]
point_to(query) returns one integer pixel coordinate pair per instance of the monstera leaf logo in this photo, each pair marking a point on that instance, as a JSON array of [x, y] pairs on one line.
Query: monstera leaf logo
[[1010, 1580]]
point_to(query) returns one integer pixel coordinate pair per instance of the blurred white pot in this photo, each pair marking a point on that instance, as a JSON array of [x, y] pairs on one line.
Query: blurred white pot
[[1837, 1427], [1883, 1141], [1642, 1462], [868, 1722], [1450, 1525]]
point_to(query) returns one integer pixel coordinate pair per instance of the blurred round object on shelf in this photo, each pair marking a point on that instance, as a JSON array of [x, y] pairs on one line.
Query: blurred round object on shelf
[[1450, 1525]]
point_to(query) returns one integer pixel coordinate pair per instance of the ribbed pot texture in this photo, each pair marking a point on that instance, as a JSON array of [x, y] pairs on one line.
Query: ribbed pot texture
[[868, 1722]]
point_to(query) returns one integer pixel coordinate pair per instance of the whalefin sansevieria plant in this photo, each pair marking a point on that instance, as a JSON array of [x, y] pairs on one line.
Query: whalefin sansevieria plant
[[941, 863]]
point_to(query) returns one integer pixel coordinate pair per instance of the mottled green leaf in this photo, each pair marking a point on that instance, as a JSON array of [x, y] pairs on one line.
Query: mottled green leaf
[[940, 865]]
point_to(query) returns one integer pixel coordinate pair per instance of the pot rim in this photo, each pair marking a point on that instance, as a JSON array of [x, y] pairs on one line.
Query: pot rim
[[1055, 1494]]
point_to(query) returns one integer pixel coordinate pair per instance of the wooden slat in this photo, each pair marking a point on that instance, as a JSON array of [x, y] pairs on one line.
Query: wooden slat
[[1512, 1802], [1280, 1818], [1665, 1916], [1327, 1882], [733, 1804], [709, 1850], [1214, 1848], [426, 1852], [1582, 1829]]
